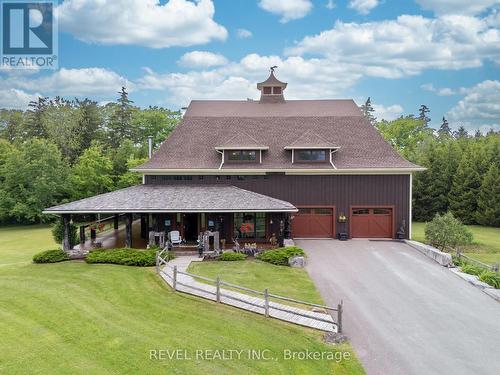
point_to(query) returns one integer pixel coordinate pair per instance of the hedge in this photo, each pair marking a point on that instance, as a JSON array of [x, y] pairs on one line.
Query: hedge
[[231, 256], [50, 256], [281, 255], [125, 256]]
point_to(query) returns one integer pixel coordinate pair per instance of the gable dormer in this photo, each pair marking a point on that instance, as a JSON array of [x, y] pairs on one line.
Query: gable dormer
[[311, 148], [241, 148], [271, 90]]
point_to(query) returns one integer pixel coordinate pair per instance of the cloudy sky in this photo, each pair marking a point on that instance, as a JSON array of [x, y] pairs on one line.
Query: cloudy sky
[[401, 53]]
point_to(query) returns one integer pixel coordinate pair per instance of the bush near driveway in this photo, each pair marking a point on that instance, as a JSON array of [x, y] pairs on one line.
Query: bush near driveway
[[229, 256], [281, 255], [50, 256], [125, 256], [445, 230], [491, 278]]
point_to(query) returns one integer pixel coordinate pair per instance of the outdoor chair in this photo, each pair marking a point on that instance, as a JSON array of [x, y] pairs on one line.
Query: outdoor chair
[[175, 237]]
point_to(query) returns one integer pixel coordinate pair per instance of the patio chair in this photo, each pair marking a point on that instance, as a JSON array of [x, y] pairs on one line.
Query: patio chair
[[175, 237]]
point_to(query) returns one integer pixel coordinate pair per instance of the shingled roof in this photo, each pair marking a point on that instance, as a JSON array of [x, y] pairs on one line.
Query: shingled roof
[[340, 123], [310, 140], [175, 198]]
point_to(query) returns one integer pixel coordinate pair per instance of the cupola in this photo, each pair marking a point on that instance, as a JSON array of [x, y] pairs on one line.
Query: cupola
[[271, 90]]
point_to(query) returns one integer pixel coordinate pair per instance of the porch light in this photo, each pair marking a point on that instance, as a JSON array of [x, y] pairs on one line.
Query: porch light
[[342, 218]]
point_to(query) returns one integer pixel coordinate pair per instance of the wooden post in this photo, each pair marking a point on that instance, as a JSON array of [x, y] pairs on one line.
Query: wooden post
[[266, 302], [174, 282], [158, 261], [128, 230], [116, 220], [288, 227], [339, 316], [82, 235], [66, 242], [217, 289]]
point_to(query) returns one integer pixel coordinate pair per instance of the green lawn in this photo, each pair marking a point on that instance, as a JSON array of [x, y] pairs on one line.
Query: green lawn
[[283, 281], [72, 317], [486, 245]]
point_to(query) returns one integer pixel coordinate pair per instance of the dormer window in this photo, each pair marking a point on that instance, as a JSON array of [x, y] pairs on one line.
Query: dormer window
[[311, 155], [242, 155]]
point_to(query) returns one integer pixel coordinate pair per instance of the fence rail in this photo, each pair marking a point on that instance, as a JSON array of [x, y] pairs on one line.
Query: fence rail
[[264, 301], [490, 267]]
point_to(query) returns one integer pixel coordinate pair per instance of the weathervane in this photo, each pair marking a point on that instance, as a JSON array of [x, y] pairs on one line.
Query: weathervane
[[273, 67]]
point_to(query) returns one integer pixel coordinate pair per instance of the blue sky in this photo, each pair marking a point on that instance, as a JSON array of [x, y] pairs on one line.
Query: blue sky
[[442, 53]]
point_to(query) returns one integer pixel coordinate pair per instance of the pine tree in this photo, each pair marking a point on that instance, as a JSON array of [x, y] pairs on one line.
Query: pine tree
[[120, 121], [422, 114], [465, 188], [461, 133], [488, 200], [368, 110], [34, 125], [444, 129]]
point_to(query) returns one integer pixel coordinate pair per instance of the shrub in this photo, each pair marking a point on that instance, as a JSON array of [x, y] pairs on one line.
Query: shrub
[[471, 269], [126, 257], [50, 256], [58, 233], [491, 278], [280, 256], [445, 230], [231, 256]]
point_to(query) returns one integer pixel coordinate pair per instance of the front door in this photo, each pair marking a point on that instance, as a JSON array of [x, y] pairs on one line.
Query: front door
[[190, 226]]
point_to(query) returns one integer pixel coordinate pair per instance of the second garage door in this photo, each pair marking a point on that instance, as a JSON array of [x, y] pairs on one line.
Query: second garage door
[[369, 222], [313, 223]]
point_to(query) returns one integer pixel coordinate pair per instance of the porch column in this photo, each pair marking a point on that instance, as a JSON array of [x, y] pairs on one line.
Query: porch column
[[281, 235], [82, 236], [288, 226], [93, 234], [128, 230], [144, 226], [116, 219], [66, 229]]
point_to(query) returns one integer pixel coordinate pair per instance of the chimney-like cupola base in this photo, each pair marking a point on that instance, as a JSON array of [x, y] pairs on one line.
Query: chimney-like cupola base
[[271, 90]]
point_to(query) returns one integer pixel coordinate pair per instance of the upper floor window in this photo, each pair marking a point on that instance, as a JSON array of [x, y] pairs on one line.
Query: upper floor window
[[268, 90], [277, 90], [242, 155], [310, 155], [272, 90]]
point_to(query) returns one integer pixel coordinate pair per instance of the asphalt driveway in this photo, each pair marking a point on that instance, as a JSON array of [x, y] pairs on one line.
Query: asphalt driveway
[[405, 314]]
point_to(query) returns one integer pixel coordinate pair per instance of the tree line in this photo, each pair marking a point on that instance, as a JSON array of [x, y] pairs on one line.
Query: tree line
[[463, 170], [59, 150]]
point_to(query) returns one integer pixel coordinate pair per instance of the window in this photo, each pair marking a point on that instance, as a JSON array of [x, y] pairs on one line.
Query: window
[[311, 155], [382, 211], [242, 155], [361, 211], [267, 90], [277, 90], [250, 225]]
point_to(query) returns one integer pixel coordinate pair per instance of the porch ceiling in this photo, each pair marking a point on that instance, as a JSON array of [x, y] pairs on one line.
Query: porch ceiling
[[175, 198]]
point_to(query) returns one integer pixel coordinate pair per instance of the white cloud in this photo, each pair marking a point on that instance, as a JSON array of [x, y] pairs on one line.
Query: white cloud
[[141, 22], [363, 6], [443, 91], [330, 4], [407, 45], [201, 59], [388, 113], [92, 82], [287, 9], [243, 33], [16, 99], [480, 108], [457, 6]]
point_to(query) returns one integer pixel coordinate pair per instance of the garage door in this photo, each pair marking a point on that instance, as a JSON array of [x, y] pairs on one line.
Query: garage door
[[313, 223], [371, 223]]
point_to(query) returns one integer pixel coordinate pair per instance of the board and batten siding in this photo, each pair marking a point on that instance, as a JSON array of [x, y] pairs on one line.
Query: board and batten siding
[[341, 191]]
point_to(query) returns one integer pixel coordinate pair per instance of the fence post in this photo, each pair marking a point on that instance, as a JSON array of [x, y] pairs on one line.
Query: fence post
[[495, 267], [217, 290], [174, 282], [339, 316], [266, 302]]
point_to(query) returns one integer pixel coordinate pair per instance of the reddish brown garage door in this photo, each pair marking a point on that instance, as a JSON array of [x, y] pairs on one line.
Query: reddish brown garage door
[[371, 222], [313, 223]]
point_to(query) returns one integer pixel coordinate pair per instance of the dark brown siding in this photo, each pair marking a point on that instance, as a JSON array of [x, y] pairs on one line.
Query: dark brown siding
[[341, 191]]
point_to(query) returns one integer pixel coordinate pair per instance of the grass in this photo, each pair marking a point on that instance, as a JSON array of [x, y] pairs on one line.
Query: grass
[[486, 245], [73, 317], [254, 274]]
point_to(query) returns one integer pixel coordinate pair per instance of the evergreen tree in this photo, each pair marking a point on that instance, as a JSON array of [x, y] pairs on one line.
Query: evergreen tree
[[461, 133], [465, 188], [478, 134], [444, 130], [488, 200], [34, 127], [120, 121], [368, 111], [422, 114]]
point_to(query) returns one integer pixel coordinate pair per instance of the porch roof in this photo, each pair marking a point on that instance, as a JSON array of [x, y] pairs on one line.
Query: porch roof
[[175, 198]]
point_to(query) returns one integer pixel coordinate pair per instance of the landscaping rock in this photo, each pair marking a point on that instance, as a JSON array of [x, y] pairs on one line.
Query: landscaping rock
[[334, 338], [474, 280], [297, 262], [443, 259], [288, 243]]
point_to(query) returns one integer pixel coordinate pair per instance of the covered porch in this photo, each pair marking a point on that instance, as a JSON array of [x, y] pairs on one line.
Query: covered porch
[[142, 211]]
